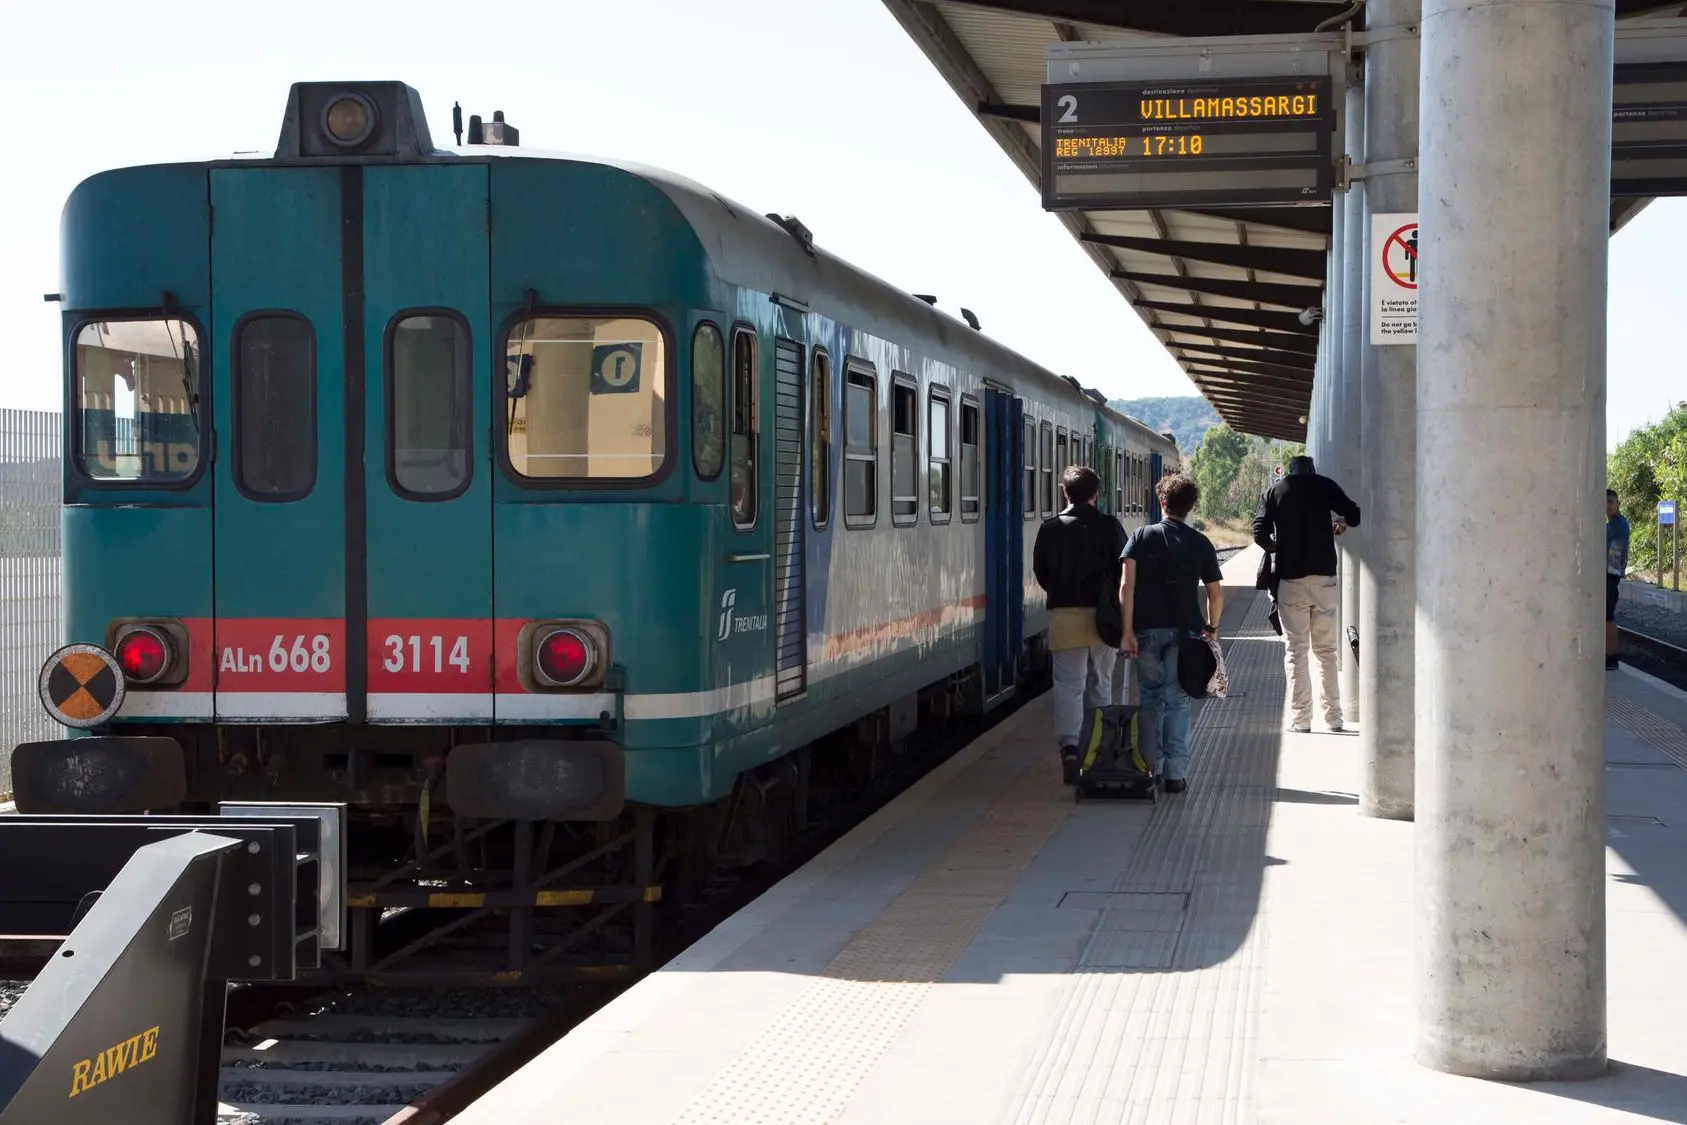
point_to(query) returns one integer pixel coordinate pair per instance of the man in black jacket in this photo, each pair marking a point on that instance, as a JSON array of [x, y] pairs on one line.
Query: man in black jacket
[[1298, 519], [1074, 561]]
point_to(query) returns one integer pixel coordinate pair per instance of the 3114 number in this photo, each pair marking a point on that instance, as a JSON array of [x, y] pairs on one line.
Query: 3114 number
[[406, 654]]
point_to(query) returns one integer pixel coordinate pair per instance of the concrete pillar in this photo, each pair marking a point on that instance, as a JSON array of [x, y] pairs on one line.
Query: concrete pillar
[[1351, 206], [1511, 428], [1388, 410], [1334, 452]]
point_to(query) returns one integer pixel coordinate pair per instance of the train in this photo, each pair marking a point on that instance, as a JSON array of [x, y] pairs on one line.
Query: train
[[561, 519]]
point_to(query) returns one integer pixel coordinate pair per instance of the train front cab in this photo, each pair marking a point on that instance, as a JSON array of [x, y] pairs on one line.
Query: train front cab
[[294, 516]]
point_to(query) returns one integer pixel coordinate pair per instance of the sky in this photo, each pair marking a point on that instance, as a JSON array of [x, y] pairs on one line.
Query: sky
[[824, 109]]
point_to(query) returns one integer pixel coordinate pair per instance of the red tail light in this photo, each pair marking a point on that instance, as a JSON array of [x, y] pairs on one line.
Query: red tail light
[[144, 655], [564, 657]]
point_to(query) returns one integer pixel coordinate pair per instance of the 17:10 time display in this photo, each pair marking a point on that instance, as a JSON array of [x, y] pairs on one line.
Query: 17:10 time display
[[1077, 148]]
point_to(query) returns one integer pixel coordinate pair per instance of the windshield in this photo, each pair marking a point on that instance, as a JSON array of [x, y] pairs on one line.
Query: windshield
[[136, 400]]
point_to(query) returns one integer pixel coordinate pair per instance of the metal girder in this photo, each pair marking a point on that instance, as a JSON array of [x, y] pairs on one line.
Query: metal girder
[[1287, 377], [1296, 404], [1258, 396], [1185, 17], [1311, 219], [1309, 264], [1252, 379], [1265, 341], [1239, 387], [1281, 363], [1254, 395], [1281, 322], [1295, 297], [1031, 114], [1271, 425]]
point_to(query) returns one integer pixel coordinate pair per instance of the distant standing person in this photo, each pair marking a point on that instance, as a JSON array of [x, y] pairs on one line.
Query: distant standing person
[[1074, 559], [1298, 520], [1165, 565], [1616, 565]]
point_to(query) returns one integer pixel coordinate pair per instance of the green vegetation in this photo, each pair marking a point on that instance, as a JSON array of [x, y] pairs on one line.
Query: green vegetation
[[1187, 418], [1650, 465], [1233, 469]]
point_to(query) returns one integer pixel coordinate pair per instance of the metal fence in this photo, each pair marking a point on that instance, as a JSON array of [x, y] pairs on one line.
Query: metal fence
[[31, 617]]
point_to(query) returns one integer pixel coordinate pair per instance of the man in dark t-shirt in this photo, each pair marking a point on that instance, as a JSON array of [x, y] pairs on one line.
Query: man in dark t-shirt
[[1165, 565]]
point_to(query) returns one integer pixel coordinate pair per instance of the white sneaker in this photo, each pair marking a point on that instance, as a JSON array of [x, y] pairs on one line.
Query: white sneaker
[[1337, 727], [1301, 728]]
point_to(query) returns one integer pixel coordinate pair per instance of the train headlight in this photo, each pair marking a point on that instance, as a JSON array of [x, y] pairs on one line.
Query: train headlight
[[564, 657], [144, 654], [349, 119]]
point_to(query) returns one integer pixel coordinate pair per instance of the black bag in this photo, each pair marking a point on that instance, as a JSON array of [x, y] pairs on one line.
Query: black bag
[[1109, 617], [1195, 665], [1110, 757]]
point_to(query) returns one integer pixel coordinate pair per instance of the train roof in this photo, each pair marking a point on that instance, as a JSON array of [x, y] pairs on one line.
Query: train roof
[[748, 248]]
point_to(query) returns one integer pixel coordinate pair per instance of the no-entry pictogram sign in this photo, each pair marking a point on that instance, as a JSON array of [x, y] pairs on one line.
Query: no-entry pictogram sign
[[1394, 278]]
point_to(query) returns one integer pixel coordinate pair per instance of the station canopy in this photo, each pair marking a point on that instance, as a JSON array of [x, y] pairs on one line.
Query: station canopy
[[1221, 288]]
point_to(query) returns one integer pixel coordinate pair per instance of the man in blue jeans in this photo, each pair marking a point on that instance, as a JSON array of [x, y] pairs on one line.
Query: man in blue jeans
[[1165, 566]]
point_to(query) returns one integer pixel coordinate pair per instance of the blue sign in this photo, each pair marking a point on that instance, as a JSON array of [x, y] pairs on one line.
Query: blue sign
[[1666, 513], [615, 368]]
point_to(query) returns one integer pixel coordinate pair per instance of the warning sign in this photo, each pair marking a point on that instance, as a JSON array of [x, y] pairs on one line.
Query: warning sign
[[81, 685], [1394, 279]]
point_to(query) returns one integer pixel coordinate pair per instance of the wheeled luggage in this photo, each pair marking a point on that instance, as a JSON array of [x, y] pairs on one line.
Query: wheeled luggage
[[1110, 758]]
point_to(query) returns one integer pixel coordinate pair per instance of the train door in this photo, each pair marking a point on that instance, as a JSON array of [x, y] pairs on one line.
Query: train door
[[1004, 546], [427, 349], [790, 573], [282, 523]]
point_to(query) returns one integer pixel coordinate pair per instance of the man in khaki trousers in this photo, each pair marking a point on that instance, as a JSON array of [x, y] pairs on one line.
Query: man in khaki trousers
[[1298, 520]]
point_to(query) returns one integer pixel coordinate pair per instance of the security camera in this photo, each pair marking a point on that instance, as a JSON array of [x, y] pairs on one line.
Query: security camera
[[1309, 317]]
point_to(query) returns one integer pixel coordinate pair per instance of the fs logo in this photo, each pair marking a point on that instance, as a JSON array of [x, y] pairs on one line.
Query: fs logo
[[731, 623], [727, 601]]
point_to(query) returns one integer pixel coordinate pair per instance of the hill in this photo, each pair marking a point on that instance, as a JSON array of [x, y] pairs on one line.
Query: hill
[[1188, 417]]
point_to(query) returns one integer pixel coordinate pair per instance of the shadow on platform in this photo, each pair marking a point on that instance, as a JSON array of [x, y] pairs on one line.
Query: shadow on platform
[[1657, 1094]]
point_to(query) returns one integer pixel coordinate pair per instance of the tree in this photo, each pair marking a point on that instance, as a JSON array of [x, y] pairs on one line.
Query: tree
[[1650, 465], [1214, 466]]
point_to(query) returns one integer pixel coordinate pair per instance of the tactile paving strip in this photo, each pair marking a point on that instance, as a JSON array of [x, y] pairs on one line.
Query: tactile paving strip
[[1159, 1022], [1664, 736], [808, 1063]]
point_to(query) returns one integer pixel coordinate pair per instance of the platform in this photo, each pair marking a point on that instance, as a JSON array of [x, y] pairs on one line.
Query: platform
[[983, 950]]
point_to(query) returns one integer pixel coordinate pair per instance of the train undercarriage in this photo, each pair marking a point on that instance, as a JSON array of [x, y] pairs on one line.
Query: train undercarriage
[[437, 898]]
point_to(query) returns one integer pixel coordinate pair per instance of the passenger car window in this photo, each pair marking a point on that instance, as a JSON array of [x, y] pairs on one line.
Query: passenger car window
[[1028, 452], [861, 447], [708, 401], [904, 451], [431, 373], [1047, 464], [137, 387], [745, 429], [586, 398], [941, 484], [820, 440], [970, 482]]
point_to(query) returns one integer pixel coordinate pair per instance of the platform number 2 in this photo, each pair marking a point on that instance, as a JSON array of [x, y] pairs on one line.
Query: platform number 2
[[1068, 104], [405, 654]]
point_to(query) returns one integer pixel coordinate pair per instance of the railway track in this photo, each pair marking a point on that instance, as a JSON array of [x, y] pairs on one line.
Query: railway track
[[385, 1056], [389, 1058], [1655, 656]]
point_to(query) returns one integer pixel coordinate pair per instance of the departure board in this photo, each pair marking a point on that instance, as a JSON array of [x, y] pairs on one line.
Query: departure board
[[1649, 130], [1236, 142]]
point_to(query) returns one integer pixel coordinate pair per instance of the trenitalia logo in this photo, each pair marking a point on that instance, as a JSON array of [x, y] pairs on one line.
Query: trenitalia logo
[[731, 623]]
